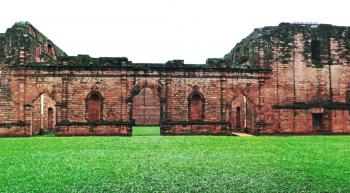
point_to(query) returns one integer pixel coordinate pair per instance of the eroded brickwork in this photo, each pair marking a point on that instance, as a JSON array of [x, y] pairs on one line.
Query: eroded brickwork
[[287, 79], [40, 114], [146, 108]]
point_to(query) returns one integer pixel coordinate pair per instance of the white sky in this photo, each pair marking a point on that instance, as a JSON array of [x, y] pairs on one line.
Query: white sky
[[162, 30]]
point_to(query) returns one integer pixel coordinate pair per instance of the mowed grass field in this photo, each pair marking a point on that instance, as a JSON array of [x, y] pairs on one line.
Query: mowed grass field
[[175, 164], [146, 131]]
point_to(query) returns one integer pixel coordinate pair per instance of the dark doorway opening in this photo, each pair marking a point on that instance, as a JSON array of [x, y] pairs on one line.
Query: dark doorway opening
[[317, 119], [316, 50], [238, 117]]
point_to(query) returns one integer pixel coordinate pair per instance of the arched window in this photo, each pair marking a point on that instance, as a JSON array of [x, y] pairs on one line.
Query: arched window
[[315, 50], [94, 106], [196, 106], [51, 51]]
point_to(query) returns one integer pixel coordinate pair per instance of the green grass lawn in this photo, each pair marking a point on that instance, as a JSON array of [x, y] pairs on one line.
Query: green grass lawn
[[145, 131], [175, 164]]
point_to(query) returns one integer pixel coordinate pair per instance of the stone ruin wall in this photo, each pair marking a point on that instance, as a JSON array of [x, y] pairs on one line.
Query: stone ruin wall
[[270, 83]]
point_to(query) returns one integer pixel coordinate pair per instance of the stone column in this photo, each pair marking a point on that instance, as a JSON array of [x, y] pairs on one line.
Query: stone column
[[124, 94], [168, 96], [58, 112], [63, 107], [163, 99], [20, 94], [163, 103], [28, 114], [223, 93]]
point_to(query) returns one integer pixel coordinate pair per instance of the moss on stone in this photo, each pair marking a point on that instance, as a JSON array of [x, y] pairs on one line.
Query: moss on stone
[[280, 39]]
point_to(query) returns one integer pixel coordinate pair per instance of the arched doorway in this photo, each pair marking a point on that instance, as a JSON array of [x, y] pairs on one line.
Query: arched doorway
[[94, 106], [146, 108], [243, 114], [196, 106], [43, 116]]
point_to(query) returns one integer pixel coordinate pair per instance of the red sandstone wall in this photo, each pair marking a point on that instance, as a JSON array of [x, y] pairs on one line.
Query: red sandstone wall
[[116, 91], [40, 120], [295, 82], [146, 108], [122, 130], [111, 89], [300, 82], [8, 90], [181, 89], [14, 131]]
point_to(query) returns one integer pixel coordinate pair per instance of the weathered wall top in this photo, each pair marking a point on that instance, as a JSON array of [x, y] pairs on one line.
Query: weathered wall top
[[2, 42], [276, 43], [24, 44]]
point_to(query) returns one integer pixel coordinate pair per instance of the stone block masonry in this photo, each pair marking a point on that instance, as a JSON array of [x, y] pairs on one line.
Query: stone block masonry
[[286, 79]]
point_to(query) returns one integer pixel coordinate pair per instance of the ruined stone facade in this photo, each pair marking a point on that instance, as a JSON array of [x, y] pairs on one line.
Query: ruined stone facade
[[287, 79]]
